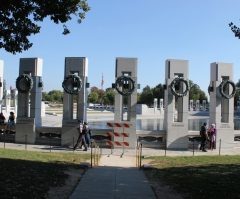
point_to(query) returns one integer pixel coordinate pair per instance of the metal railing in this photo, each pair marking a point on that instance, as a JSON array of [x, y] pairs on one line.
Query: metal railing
[[95, 156], [139, 156]]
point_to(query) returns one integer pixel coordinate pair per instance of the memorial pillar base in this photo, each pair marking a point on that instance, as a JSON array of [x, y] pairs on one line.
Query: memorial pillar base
[[177, 136], [25, 131], [69, 132]]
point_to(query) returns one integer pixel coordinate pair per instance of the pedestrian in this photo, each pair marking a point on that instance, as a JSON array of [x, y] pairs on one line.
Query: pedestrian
[[87, 135], [2, 118], [11, 122], [81, 136], [213, 136], [204, 136]]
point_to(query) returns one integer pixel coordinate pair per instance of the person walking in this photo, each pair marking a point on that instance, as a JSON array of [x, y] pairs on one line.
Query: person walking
[[81, 136], [213, 136], [204, 137], [87, 135]]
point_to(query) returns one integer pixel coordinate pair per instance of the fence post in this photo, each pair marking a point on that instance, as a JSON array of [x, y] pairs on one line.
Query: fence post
[[140, 156], [73, 144], [50, 143], [165, 147], [193, 146], [219, 146], [91, 153], [25, 141], [4, 139]]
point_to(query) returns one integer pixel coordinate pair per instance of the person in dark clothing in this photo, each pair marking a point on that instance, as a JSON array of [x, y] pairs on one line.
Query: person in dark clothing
[[81, 138], [204, 137], [2, 118]]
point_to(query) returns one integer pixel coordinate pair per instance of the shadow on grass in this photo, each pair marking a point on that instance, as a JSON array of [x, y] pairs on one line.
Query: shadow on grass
[[31, 179], [209, 181]]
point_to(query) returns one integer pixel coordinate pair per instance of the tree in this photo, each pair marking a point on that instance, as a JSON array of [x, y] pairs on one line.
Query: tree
[[94, 89], [101, 94], [195, 93], [109, 97], [93, 97], [235, 30], [55, 95], [158, 91], [18, 19], [147, 96]]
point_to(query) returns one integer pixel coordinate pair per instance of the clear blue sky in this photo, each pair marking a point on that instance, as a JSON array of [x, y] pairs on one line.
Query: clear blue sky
[[150, 30]]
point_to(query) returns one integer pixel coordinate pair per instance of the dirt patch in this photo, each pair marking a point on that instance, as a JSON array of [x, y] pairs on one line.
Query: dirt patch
[[64, 192]]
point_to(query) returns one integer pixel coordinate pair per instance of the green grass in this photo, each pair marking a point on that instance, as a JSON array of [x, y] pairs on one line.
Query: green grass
[[28, 174], [199, 176]]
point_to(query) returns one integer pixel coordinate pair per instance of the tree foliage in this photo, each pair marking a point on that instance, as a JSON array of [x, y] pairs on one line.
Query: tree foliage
[[109, 97], [195, 93], [235, 30], [52, 96], [19, 18], [93, 97]]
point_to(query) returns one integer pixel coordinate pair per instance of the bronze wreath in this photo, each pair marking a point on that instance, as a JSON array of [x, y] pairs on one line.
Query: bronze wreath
[[76, 79], [29, 81], [118, 84], [221, 90], [177, 81]]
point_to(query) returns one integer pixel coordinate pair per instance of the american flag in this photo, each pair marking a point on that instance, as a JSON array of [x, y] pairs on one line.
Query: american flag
[[102, 82]]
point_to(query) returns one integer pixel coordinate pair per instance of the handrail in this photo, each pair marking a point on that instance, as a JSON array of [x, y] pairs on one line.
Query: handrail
[[139, 156], [94, 156]]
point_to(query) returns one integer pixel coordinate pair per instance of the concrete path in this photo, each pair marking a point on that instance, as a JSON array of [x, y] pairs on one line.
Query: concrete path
[[116, 177], [113, 183]]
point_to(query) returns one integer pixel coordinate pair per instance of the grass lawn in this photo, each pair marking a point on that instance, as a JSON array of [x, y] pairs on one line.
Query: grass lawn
[[198, 176], [28, 174]]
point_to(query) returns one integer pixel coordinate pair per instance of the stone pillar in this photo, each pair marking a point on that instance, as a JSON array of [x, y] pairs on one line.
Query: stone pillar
[[7, 102], [197, 105], [204, 105], [155, 105], [221, 109], [1, 83], [191, 105], [126, 66], [26, 124], [15, 100], [161, 106], [177, 131], [78, 66]]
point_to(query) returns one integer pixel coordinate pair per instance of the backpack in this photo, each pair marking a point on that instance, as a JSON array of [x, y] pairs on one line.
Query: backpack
[[90, 132], [202, 131]]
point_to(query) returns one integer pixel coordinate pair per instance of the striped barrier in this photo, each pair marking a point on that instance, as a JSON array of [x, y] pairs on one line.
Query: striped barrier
[[115, 143], [116, 124], [117, 134]]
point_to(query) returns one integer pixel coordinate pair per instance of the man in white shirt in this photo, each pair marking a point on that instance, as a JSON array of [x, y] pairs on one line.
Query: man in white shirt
[[81, 137]]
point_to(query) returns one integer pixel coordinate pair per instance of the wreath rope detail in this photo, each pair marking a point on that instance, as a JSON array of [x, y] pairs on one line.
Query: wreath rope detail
[[119, 84], [177, 81], [76, 79], [29, 83], [221, 89]]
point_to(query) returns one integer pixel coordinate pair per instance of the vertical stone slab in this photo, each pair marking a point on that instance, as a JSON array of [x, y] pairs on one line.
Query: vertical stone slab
[[1, 82], [191, 105], [161, 106], [126, 66], [197, 105], [15, 101], [7, 102], [155, 105], [221, 109], [177, 131], [78, 66], [204, 105], [26, 124]]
